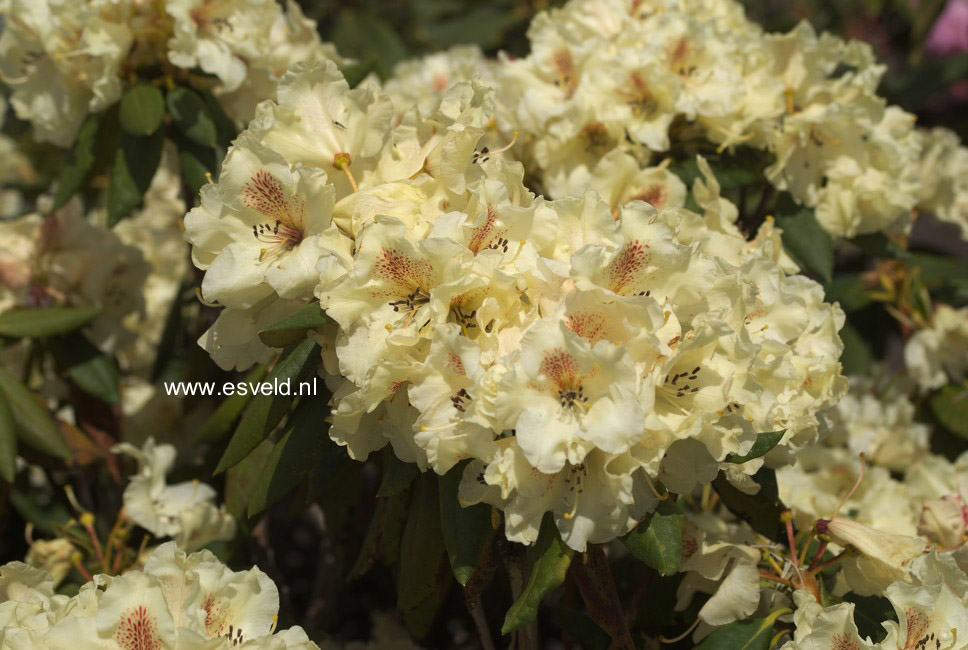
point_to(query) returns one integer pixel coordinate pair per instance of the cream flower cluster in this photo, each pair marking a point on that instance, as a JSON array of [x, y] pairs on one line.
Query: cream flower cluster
[[155, 230], [186, 512], [926, 505], [944, 178], [930, 609], [64, 59], [938, 354], [650, 76], [574, 349], [65, 259], [879, 424], [179, 601]]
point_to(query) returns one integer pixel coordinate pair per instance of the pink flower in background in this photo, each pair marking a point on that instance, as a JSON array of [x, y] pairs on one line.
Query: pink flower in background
[[949, 35]]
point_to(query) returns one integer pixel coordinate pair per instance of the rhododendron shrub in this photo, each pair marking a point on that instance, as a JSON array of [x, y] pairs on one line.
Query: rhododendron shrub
[[653, 331]]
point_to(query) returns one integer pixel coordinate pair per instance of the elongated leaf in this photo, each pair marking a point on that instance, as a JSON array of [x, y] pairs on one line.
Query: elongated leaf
[[880, 245], [581, 627], [657, 541], [803, 238], [142, 109], [191, 116], [761, 510], [135, 162], [356, 72], [35, 427], [850, 290], [80, 162], [223, 123], [466, 530], [424, 574], [197, 163], [90, 369], [41, 322], [169, 352], [548, 571], [336, 484], [372, 545], [950, 406], [46, 518], [265, 411], [293, 328], [221, 421], [754, 634], [857, 356], [763, 444], [303, 441], [8, 440], [870, 613], [242, 479], [397, 475]]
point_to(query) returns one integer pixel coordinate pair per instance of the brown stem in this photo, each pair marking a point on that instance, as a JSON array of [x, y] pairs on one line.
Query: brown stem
[[597, 588]]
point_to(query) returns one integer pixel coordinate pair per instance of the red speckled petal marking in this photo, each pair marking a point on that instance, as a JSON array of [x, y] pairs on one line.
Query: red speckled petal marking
[[401, 273], [455, 365], [918, 637], [560, 367], [138, 630], [627, 270], [214, 616], [588, 325], [484, 235], [265, 194], [842, 642]]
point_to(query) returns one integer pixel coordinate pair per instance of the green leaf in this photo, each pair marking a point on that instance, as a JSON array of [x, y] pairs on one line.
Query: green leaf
[[191, 116], [221, 421], [90, 369], [397, 475], [293, 328], [78, 167], [356, 72], [950, 406], [8, 441], [304, 438], [242, 479], [265, 411], [135, 162], [424, 574], [197, 163], [223, 123], [372, 542], [466, 530], [850, 290], [41, 322], [879, 245], [552, 557], [761, 510], [754, 634], [170, 353], [657, 541], [142, 109], [47, 515], [484, 25], [803, 238], [336, 484], [870, 612], [581, 627], [35, 427], [857, 356], [384, 534], [763, 444]]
